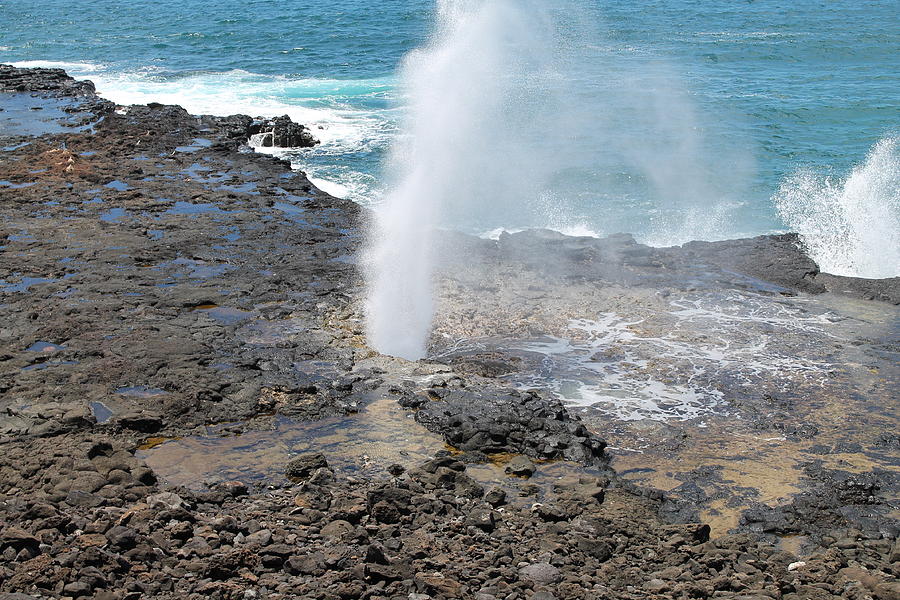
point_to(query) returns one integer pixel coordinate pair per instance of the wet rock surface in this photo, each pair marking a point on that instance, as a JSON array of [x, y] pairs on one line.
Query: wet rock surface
[[725, 373], [157, 281]]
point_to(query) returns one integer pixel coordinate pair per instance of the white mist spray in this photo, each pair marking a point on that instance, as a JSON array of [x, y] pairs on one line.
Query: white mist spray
[[464, 146], [850, 226]]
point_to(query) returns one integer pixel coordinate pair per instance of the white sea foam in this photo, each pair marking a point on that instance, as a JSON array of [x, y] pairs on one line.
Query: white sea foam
[[331, 187], [494, 234], [668, 366], [850, 226], [577, 230], [75, 69]]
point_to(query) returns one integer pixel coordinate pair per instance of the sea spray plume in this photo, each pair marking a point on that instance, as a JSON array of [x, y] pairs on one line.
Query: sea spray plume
[[509, 101], [469, 92], [693, 176], [849, 226]]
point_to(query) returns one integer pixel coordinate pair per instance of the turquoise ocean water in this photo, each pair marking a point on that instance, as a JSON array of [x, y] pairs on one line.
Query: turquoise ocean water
[[750, 96]]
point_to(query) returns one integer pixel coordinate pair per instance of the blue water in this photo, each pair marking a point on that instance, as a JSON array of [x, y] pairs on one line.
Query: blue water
[[761, 88]]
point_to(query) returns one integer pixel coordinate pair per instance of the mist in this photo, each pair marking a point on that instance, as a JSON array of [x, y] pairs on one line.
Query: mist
[[511, 107]]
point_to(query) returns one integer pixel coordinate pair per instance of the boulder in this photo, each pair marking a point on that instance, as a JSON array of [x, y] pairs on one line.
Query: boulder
[[281, 132], [303, 466]]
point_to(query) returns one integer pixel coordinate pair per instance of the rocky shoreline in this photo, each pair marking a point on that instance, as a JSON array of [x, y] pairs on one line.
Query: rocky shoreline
[[159, 283]]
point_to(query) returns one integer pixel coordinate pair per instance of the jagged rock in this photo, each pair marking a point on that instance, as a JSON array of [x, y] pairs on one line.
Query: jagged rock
[[281, 132], [166, 501], [17, 538], [495, 497], [57, 81], [145, 423], [509, 421], [483, 519]]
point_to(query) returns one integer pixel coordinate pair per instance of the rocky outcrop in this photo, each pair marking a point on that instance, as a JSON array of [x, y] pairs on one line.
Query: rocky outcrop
[[779, 259], [55, 81], [881, 290], [768, 263], [279, 132], [156, 282], [509, 421]]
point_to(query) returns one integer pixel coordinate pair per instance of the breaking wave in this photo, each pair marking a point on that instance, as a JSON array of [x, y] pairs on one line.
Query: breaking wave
[[850, 226]]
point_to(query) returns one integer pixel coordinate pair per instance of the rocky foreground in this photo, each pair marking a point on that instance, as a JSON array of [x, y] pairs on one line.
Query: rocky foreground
[[159, 281]]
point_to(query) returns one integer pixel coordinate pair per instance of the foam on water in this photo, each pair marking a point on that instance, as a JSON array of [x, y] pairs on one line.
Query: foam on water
[[670, 366], [331, 187], [851, 225]]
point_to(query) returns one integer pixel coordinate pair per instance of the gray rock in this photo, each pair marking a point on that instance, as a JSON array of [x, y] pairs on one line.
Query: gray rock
[[495, 497], [520, 466], [83, 499], [166, 501], [260, 538], [121, 537], [77, 589], [543, 573], [482, 518]]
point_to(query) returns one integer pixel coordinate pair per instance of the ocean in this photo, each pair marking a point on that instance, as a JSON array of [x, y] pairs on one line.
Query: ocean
[[671, 120]]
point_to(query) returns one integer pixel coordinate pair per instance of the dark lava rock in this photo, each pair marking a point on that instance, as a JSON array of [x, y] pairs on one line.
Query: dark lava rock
[[509, 421], [121, 537], [595, 548], [282, 132], [236, 126], [495, 497], [141, 422], [779, 259], [305, 465], [17, 538], [389, 504], [842, 498], [56, 81], [482, 518], [375, 554], [882, 290]]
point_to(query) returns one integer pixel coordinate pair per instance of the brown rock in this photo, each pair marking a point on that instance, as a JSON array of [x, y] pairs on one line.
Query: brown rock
[[439, 584]]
